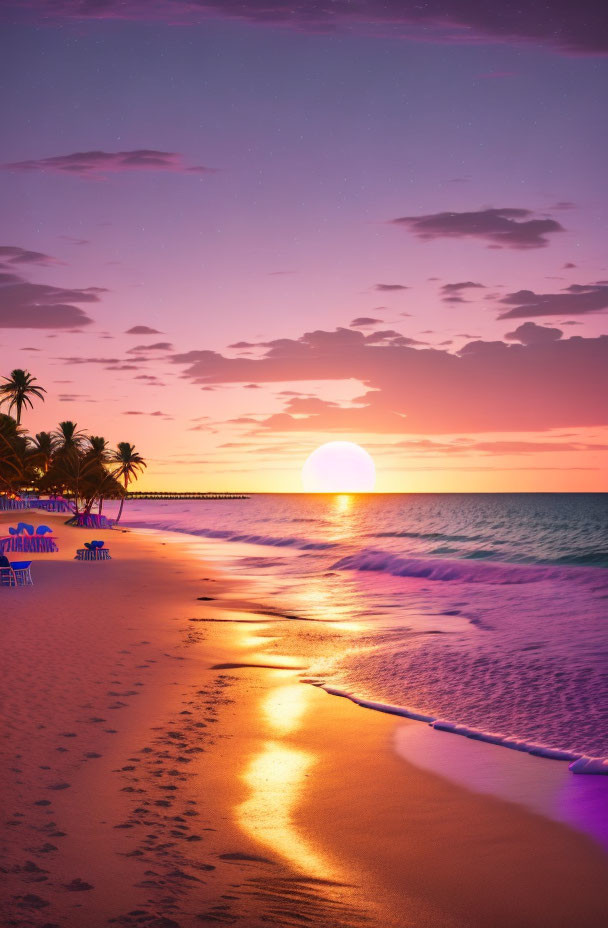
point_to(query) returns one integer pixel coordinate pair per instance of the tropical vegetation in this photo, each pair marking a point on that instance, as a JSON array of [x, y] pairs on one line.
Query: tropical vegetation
[[66, 461], [18, 390]]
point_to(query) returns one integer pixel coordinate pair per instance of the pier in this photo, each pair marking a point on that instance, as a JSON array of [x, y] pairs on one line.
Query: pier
[[169, 496]]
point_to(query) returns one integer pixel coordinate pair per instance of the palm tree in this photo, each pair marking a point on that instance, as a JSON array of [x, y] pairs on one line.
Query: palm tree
[[100, 451], [16, 465], [130, 465], [68, 437], [42, 446], [17, 390], [82, 478]]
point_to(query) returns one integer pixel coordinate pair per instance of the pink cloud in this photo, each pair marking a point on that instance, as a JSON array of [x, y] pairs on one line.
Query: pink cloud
[[576, 300], [157, 346], [362, 322], [579, 28], [24, 305], [99, 163], [531, 334], [487, 386], [142, 330], [503, 228], [12, 254]]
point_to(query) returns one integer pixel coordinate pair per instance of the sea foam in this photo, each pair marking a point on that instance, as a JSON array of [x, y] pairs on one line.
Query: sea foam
[[577, 763]]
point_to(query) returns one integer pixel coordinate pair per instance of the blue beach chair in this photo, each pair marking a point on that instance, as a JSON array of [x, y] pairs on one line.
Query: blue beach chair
[[93, 551], [15, 573]]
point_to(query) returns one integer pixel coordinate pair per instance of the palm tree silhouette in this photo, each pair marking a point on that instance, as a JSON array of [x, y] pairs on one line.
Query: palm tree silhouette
[[42, 447], [99, 451], [68, 438], [100, 448], [130, 465], [18, 390], [16, 468]]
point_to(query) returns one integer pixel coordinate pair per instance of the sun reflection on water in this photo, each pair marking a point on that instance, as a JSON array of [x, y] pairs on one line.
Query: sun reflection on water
[[342, 502]]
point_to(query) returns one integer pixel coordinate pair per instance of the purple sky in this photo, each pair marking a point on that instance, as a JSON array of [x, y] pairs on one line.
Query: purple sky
[[231, 182]]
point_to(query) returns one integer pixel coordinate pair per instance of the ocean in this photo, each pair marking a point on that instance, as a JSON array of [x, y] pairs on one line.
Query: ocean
[[488, 612]]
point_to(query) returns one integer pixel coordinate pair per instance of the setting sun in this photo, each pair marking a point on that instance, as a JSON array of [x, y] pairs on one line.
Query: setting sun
[[339, 467]]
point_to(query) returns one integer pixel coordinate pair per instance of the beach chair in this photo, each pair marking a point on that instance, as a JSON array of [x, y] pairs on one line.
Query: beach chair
[[22, 573], [42, 541], [7, 577], [27, 543], [93, 551]]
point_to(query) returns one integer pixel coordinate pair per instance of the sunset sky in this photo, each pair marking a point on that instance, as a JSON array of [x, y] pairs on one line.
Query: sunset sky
[[234, 231]]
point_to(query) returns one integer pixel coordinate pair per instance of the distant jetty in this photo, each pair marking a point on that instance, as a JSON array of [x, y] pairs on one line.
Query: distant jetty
[[141, 495]]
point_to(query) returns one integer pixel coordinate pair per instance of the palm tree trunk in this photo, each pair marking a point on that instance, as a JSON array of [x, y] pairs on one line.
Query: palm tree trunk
[[122, 502]]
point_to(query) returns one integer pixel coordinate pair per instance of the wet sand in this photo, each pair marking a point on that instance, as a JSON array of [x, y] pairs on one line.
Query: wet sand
[[163, 767]]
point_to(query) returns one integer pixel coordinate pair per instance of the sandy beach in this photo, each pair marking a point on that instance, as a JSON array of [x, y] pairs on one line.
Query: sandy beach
[[163, 767]]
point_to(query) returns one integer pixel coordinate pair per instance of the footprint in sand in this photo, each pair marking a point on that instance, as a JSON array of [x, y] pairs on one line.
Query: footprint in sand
[[31, 901], [78, 886]]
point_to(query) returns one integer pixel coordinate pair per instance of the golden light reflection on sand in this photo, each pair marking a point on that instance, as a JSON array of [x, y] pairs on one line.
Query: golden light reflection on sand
[[276, 777], [249, 640], [285, 705]]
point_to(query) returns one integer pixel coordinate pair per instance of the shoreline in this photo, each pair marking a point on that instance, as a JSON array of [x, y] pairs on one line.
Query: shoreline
[[577, 763], [301, 793]]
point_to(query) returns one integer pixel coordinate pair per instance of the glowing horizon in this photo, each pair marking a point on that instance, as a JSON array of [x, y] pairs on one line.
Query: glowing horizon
[[286, 234]]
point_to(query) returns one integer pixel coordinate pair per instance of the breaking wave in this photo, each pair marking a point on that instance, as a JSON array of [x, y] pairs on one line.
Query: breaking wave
[[442, 569]]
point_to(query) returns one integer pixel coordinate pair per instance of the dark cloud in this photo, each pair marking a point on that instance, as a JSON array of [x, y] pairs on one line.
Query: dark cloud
[[464, 285], [389, 337], [99, 163], [487, 386], [569, 265], [576, 300], [157, 346], [9, 279], [24, 305], [531, 334], [361, 322], [503, 228], [142, 330], [560, 24], [390, 288], [12, 254]]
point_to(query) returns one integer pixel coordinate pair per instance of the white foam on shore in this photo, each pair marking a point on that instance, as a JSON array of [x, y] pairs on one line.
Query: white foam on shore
[[577, 763]]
